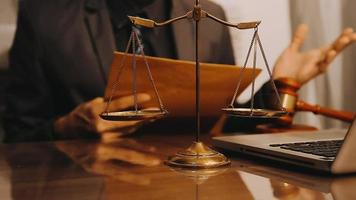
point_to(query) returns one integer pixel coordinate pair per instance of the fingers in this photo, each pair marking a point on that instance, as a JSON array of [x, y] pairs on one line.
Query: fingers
[[90, 111], [85, 117], [344, 40], [299, 37], [347, 37], [348, 30], [128, 101], [323, 65], [341, 43], [97, 105]]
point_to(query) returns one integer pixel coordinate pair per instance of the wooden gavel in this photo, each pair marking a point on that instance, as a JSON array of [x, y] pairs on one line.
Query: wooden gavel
[[288, 88]]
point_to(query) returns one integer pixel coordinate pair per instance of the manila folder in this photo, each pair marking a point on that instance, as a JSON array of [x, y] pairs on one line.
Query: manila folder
[[175, 82]]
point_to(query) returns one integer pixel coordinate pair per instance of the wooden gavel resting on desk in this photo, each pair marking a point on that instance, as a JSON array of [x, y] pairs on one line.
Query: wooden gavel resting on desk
[[288, 88]]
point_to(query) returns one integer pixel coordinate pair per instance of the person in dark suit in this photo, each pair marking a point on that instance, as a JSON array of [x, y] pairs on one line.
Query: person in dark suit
[[63, 49], [62, 53]]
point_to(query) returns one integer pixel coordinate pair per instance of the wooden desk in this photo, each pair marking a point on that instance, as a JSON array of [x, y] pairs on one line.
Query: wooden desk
[[132, 169]]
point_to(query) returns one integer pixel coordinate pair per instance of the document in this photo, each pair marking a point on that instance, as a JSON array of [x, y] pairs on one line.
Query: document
[[175, 82]]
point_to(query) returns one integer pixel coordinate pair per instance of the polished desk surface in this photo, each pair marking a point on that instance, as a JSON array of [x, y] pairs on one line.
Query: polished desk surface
[[133, 168]]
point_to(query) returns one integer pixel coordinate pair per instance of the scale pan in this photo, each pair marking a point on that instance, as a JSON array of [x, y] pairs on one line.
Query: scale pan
[[254, 113], [133, 115]]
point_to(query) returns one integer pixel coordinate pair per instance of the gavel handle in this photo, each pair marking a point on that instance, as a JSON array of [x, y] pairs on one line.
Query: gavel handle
[[318, 110]]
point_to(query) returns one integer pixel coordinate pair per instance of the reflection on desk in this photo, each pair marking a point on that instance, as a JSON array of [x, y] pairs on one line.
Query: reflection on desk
[[133, 168]]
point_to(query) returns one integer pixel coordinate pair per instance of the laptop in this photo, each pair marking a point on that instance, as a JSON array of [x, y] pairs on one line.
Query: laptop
[[332, 151]]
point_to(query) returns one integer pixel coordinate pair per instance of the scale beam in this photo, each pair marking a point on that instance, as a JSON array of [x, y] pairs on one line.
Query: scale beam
[[197, 14], [148, 23], [241, 26]]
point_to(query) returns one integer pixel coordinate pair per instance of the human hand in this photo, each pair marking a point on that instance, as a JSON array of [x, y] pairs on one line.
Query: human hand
[[304, 66], [85, 118]]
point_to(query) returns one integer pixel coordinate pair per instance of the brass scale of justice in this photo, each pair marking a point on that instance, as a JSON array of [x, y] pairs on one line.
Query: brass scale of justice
[[198, 155]]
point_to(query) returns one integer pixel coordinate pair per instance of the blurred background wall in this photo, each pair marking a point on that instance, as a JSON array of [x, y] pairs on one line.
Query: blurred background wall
[[8, 12]]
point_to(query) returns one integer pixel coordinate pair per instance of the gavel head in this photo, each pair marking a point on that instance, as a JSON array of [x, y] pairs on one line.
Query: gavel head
[[287, 89]]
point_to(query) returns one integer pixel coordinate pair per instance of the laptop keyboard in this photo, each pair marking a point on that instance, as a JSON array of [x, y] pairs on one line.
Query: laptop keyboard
[[324, 148]]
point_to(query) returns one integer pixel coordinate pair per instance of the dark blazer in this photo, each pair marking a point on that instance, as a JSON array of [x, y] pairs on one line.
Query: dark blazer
[[62, 53]]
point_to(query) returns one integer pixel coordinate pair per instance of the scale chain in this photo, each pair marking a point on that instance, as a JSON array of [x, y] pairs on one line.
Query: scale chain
[[150, 74], [269, 72], [242, 71], [134, 72], [254, 73], [117, 80]]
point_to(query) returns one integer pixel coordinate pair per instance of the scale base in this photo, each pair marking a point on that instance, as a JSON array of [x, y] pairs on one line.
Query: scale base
[[198, 156]]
